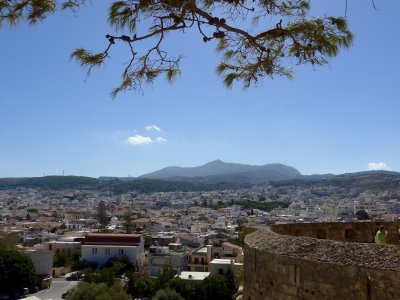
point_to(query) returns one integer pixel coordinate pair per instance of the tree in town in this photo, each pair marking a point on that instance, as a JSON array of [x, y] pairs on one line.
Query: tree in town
[[62, 226], [216, 287], [16, 271], [127, 223], [98, 291], [168, 294], [105, 276], [141, 286], [362, 215], [72, 259], [256, 38], [187, 289], [61, 259], [119, 264], [82, 265], [8, 240], [102, 215], [167, 273], [239, 240]]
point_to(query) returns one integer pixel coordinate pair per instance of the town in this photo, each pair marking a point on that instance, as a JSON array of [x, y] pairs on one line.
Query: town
[[193, 234]]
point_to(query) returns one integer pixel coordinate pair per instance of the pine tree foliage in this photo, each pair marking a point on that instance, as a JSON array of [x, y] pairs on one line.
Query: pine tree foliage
[[127, 223], [256, 38], [102, 214], [16, 271]]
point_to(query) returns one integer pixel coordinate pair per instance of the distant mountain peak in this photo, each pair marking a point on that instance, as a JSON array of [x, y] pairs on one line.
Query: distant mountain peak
[[215, 162]]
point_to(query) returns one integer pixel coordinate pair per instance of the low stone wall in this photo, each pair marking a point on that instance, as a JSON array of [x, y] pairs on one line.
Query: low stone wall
[[289, 267]]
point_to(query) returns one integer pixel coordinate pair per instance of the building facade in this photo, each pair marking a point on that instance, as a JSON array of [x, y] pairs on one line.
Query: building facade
[[98, 248]]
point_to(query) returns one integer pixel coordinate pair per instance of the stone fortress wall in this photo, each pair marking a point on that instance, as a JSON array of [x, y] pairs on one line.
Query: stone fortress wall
[[322, 261]]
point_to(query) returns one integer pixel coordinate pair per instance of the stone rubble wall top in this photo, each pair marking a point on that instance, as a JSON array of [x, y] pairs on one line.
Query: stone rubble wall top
[[360, 255]]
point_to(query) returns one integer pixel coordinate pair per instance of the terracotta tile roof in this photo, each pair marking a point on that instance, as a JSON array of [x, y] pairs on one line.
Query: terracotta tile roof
[[110, 239]]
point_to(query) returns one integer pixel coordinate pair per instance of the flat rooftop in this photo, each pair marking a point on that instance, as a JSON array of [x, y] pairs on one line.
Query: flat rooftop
[[195, 276]]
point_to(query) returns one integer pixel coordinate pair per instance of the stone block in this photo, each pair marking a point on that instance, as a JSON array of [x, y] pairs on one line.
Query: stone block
[[286, 289], [328, 289]]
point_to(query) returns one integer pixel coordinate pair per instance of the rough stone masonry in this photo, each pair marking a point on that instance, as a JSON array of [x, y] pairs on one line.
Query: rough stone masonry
[[287, 265]]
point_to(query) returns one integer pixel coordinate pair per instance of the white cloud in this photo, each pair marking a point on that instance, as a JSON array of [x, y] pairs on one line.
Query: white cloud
[[153, 127], [139, 140], [378, 166], [161, 140]]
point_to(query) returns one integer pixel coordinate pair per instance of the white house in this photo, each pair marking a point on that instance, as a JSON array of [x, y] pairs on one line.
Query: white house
[[193, 276], [220, 266], [42, 259], [100, 247], [174, 256]]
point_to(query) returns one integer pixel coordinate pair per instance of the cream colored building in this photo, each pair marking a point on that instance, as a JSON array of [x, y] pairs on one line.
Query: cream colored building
[[98, 248]]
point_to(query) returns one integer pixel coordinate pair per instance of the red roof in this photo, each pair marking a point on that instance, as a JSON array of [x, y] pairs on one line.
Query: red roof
[[109, 239]]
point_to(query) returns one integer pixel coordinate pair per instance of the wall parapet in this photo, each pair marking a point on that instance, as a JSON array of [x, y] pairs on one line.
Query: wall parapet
[[279, 266], [360, 232]]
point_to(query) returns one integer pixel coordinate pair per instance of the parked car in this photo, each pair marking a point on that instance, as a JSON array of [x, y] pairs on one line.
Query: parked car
[[74, 276], [65, 294]]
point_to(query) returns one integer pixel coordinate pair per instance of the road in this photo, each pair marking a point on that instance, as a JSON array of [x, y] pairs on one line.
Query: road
[[58, 287]]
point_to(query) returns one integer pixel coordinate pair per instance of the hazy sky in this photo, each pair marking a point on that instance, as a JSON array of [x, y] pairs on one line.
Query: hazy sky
[[344, 117]]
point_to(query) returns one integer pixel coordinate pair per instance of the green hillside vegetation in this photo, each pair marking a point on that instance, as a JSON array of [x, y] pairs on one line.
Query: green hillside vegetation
[[49, 182], [265, 206], [117, 186], [249, 204], [373, 180], [156, 185]]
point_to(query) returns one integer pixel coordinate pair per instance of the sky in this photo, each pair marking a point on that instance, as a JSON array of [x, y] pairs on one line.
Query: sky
[[339, 118]]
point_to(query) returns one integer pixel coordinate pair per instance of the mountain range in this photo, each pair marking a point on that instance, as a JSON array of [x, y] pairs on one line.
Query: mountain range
[[219, 171], [215, 175]]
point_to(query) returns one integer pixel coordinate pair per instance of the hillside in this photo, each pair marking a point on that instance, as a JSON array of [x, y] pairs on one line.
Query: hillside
[[157, 185], [116, 185], [217, 171], [373, 181], [50, 182]]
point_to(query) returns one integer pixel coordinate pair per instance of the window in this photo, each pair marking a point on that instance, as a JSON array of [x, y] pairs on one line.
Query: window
[[120, 251], [221, 271], [94, 251], [107, 251]]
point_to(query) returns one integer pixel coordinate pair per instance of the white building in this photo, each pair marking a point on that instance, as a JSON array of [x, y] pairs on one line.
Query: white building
[[100, 247], [223, 266], [193, 276], [220, 266], [42, 259], [173, 256], [62, 246]]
